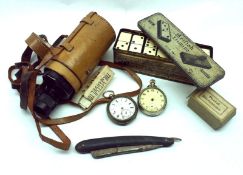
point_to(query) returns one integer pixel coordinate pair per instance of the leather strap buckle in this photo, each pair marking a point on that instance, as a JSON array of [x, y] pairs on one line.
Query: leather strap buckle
[[38, 45], [87, 19]]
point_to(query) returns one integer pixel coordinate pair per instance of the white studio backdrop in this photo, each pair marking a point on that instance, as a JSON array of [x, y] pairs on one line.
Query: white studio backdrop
[[202, 150]]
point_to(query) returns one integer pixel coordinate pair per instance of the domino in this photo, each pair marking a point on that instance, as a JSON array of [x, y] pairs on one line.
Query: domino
[[150, 50], [135, 48], [122, 45], [126, 37], [136, 43], [137, 39], [150, 43]]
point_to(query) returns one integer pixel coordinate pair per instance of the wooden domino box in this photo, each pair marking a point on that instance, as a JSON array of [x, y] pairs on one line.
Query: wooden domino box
[[134, 50]]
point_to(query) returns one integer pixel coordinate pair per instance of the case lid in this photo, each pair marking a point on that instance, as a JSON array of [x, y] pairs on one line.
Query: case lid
[[198, 66]]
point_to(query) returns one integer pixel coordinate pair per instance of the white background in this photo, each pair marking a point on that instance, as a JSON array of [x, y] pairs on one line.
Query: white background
[[203, 150]]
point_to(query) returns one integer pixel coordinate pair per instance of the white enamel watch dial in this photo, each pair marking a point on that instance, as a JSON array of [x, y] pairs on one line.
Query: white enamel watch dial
[[152, 100], [122, 110]]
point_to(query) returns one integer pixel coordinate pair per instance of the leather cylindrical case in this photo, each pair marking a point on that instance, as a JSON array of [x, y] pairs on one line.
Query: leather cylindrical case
[[83, 50]]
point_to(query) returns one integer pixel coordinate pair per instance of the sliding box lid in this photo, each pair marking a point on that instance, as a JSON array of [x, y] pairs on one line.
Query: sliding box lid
[[198, 66]]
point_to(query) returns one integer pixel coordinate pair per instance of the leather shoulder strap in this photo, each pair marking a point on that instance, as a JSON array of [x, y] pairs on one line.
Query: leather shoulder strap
[[25, 83], [73, 118]]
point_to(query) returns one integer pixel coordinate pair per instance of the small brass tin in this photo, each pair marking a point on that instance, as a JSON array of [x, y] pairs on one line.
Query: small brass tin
[[211, 107], [134, 50]]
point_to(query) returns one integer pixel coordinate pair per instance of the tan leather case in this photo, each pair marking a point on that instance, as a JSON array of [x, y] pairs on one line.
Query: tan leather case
[[80, 53]]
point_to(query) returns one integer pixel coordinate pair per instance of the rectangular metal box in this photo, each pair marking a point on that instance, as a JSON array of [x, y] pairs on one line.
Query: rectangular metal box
[[134, 50], [191, 59], [211, 107]]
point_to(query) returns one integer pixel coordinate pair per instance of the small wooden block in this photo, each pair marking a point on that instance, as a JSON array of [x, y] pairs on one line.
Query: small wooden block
[[211, 107]]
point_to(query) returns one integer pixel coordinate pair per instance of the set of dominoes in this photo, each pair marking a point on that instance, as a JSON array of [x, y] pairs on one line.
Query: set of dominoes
[[138, 44]]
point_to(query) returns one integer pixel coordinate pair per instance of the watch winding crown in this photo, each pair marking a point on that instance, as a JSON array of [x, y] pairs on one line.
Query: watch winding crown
[[152, 83]]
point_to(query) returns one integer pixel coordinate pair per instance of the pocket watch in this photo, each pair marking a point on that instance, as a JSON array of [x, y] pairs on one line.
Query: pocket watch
[[121, 109], [152, 100]]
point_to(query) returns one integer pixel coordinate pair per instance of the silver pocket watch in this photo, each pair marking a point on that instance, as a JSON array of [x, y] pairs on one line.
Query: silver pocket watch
[[121, 109]]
